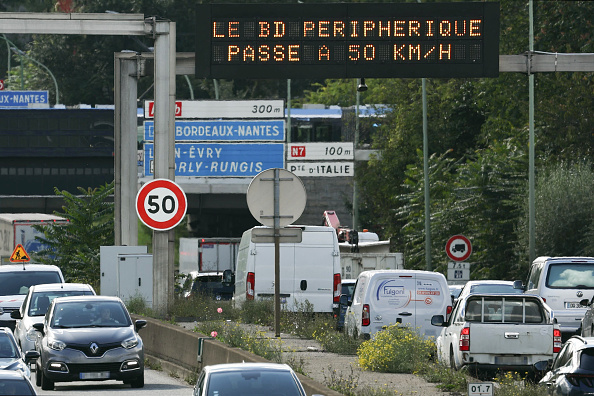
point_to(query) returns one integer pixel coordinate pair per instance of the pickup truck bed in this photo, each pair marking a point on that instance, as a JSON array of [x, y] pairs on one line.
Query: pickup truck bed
[[492, 332]]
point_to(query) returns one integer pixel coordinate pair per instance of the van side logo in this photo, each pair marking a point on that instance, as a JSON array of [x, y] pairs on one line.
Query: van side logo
[[393, 293]]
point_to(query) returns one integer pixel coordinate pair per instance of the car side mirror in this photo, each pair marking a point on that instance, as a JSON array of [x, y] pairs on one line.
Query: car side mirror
[[437, 320], [16, 315], [518, 284], [228, 278], [139, 324], [39, 327], [31, 355]]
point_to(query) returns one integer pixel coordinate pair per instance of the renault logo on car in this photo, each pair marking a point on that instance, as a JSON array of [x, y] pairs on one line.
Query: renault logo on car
[[94, 348]]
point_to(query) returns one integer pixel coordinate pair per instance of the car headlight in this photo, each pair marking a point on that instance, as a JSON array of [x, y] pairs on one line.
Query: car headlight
[[32, 334], [56, 345], [130, 342]]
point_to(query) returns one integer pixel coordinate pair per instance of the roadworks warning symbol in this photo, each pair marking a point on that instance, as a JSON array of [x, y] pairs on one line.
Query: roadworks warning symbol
[[19, 255]]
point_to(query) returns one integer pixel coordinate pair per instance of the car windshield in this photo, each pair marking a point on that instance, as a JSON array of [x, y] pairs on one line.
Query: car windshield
[[89, 314], [253, 383], [15, 387], [40, 301], [571, 276], [13, 283], [8, 348]]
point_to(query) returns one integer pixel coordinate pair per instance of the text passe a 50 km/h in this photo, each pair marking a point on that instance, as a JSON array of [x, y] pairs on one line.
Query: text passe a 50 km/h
[[351, 40]]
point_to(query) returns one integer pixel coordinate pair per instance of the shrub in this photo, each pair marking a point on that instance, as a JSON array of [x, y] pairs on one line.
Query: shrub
[[397, 349]]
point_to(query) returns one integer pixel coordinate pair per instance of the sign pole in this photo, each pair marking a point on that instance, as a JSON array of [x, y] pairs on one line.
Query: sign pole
[[277, 310]]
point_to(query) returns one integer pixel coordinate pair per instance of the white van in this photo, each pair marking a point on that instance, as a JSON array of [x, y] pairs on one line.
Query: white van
[[309, 271], [385, 297], [563, 282]]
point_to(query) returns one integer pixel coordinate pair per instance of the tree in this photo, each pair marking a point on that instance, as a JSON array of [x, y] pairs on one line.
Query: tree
[[75, 247]]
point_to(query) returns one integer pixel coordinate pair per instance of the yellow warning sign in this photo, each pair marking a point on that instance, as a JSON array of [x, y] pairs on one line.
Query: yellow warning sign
[[19, 255]]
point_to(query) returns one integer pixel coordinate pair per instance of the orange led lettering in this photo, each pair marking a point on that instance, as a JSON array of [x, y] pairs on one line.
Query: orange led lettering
[[214, 30], [294, 53], [338, 29], [279, 55], [309, 29], [399, 28], [445, 50], [279, 29], [249, 54], [323, 29], [368, 26], [414, 50], [413, 27], [354, 52], [369, 52], [429, 52], [475, 27], [456, 30], [398, 53], [233, 29], [323, 53], [381, 29], [264, 53], [354, 27], [445, 28], [232, 50], [264, 29], [429, 28]]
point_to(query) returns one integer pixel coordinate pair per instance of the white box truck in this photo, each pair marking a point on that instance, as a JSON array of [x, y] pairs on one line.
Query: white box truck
[[17, 228], [207, 254], [309, 270]]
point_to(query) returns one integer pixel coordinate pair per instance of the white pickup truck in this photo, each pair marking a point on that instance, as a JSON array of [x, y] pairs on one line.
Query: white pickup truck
[[491, 332]]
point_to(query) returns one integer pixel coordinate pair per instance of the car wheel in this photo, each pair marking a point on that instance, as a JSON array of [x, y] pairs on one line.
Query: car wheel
[[452, 360], [138, 382], [46, 383]]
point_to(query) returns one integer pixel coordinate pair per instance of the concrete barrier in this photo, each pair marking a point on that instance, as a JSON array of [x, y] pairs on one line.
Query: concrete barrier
[[183, 353]]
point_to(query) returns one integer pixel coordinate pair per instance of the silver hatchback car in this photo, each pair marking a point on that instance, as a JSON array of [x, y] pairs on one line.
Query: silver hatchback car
[[89, 338]]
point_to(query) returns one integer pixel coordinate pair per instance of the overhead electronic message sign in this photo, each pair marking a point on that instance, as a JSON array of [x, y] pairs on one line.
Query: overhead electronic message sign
[[347, 40]]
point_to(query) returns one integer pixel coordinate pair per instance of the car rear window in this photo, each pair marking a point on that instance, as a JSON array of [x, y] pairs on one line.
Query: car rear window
[[570, 276], [587, 359], [252, 382], [503, 310], [13, 283]]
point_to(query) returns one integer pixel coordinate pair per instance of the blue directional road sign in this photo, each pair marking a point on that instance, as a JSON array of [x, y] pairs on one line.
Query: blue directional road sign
[[221, 159], [22, 99], [223, 130]]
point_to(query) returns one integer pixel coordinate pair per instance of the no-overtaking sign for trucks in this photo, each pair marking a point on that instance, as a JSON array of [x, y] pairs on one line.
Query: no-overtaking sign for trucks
[[161, 204]]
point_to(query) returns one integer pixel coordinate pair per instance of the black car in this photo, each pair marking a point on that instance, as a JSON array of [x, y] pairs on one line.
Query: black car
[[15, 383], [347, 287], [572, 372], [211, 284]]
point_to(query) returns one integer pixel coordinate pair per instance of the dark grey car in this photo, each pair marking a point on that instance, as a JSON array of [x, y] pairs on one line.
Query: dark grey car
[[89, 338]]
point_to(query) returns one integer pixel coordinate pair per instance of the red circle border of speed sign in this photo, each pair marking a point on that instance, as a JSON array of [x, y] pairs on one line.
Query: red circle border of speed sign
[[449, 246], [176, 190]]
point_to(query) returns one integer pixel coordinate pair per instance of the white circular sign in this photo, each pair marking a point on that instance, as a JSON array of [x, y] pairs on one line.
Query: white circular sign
[[458, 248], [161, 204], [291, 198]]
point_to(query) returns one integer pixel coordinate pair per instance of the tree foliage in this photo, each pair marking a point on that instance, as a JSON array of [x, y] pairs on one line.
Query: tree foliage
[[75, 247]]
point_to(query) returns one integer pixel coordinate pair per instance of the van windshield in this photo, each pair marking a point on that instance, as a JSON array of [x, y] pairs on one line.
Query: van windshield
[[13, 283], [571, 276]]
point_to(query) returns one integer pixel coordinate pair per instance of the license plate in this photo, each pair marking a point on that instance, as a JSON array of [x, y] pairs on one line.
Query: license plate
[[95, 375], [520, 360], [571, 305]]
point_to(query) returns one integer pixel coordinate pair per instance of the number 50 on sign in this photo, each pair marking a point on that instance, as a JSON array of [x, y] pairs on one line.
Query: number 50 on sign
[[161, 204]]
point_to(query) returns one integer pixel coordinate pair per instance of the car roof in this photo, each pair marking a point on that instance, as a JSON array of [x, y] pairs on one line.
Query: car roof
[[489, 282], [348, 281], [28, 267], [86, 299], [247, 366], [61, 286]]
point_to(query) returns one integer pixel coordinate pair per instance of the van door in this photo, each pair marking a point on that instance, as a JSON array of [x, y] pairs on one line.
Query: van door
[[430, 299], [392, 302], [264, 270], [314, 271]]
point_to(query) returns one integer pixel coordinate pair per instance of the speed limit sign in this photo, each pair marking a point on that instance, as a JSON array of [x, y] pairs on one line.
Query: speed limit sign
[[161, 204]]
